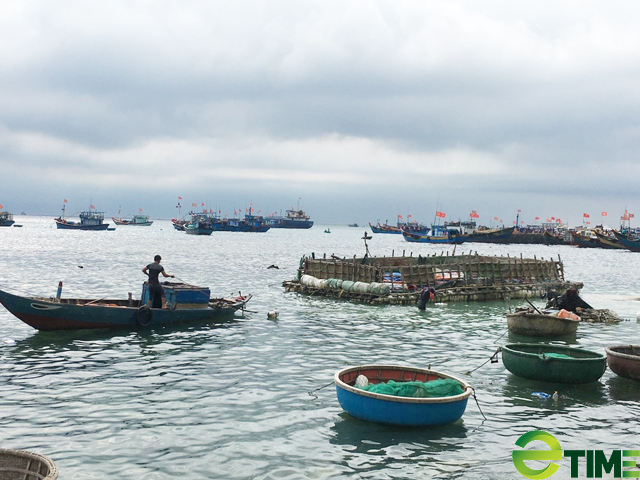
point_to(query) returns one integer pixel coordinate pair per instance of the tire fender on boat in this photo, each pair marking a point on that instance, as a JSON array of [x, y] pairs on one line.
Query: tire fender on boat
[[144, 315]]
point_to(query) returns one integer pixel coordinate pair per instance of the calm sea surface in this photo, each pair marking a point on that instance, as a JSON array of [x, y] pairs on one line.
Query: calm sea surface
[[232, 400]]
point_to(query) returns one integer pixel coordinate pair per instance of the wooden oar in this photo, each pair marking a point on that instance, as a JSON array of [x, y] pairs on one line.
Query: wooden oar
[[534, 307]]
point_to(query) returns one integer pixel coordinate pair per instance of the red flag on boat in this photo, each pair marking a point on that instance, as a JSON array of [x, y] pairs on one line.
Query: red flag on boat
[[409, 216], [203, 204], [604, 214], [0, 206], [66, 201], [585, 215], [194, 204], [179, 198], [537, 218], [519, 211], [495, 218], [140, 209], [93, 207], [553, 218], [440, 214], [399, 216]]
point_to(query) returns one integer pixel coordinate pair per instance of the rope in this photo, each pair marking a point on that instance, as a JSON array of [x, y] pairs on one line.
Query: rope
[[493, 359], [313, 392], [505, 332], [476, 399]]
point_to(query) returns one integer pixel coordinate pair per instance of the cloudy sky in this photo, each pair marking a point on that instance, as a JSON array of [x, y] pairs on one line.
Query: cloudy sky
[[363, 110]]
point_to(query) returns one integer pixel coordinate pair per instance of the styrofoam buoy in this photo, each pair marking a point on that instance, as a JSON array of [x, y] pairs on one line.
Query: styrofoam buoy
[[273, 314]]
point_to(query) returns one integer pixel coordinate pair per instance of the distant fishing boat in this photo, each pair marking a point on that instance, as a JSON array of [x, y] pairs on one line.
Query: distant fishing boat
[[137, 220], [250, 223], [436, 235], [384, 228], [89, 220], [628, 242], [353, 225], [6, 219], [200, 224], [496, 235], [292, 219]]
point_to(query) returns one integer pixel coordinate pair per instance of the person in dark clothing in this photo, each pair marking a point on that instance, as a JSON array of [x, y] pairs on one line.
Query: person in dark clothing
[[156, 292], [570, 301], [427, 294]]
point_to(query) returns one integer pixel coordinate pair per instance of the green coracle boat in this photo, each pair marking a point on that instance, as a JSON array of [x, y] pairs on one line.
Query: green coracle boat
[[553, 363]]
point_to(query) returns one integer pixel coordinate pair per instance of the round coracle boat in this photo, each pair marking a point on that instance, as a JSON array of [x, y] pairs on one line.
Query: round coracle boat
[[419, 409], [22, 465], [624, 361]]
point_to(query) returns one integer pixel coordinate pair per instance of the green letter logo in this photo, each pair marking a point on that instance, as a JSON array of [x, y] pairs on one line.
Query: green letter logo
[[519, 456]]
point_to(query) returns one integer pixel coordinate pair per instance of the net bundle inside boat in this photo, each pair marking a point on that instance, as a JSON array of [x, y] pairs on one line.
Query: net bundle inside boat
[[445, 387]]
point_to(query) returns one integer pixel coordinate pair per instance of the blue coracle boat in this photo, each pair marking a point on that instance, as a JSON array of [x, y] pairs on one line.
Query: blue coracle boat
[[393, 410]]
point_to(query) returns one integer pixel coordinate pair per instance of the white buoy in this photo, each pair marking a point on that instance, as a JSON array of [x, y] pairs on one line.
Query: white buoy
[[361, 381], [273, 314], [555, 396]]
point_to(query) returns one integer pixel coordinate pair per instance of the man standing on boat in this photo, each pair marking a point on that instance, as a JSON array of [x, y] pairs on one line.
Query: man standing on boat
[[155, 289]]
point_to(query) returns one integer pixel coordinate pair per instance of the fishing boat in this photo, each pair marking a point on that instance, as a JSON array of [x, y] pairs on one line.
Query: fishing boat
[[23, 465], [550, 238], [137, 220], [495, 235], [401, 410], [292, 219], [624, 361], [250, 223], [89, 220], [586, 240], [384, 228], [352, 225], [178, 224], [6, 219], [553, 363], [628, 242], [200, 224], [608, 240], [545, 323], [436, 235], [187, 303]]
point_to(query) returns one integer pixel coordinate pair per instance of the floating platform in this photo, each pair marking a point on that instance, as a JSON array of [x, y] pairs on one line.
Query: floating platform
[[399, 280]]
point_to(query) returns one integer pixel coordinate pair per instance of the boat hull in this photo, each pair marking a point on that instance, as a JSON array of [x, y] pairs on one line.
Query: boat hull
[[47, 314], [385, 229], [79, 226], [392, 410], [628, 243], [540, 325], [624, 361], [532, 361], [495, 236], [285, 223], [417, 238]]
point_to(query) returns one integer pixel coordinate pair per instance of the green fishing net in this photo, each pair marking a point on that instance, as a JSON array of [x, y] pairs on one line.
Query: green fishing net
[[554, 355], [433, 389]]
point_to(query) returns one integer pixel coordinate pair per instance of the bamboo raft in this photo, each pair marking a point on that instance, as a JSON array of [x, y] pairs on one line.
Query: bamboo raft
[[400, 279]]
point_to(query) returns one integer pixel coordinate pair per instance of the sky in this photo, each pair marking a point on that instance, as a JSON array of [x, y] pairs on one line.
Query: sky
[[354, 111]]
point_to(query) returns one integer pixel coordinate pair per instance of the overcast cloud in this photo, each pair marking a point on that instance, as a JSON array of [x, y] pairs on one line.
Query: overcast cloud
[[363, 109]]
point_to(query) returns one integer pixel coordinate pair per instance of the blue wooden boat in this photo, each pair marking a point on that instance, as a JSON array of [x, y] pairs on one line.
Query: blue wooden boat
[[393, 410], [188, 303], [628, 242], [384, 228], [6, 219], [553, 363]]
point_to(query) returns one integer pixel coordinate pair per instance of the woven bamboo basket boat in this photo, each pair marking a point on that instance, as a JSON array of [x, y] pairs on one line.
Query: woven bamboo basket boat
[[22, 465]]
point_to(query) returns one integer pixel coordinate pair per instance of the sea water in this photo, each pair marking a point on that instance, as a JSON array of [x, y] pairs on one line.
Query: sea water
[[253, 397]]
